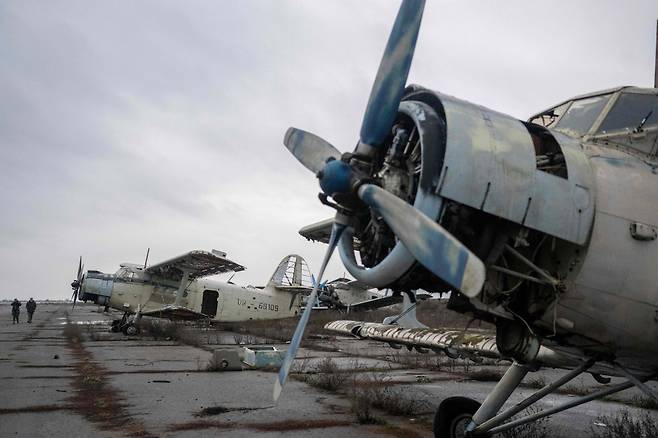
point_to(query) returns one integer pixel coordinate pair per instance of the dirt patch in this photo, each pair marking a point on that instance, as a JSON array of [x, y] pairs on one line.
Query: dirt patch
[[94, 397], [34, 409], [218, 410], [399, 432], [45, 366], [277, 426], [200, 425], [285, 426], [45, 377]]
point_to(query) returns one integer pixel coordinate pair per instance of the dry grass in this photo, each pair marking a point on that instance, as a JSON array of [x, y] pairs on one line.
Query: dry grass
[[160, 329], [535, 429], [624, 425], [535, 382], [328, 376], [486, 375], [372, 391]]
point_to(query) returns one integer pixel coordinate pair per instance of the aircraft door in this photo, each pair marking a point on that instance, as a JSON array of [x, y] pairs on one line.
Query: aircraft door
[[209, 303]]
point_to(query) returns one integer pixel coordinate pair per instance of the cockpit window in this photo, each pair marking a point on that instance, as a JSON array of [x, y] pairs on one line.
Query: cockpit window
[[548, 118], [124, 274], [582, 113], [629, 111]]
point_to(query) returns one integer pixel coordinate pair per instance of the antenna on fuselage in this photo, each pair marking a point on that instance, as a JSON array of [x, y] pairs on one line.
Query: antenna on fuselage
[[148, 250]]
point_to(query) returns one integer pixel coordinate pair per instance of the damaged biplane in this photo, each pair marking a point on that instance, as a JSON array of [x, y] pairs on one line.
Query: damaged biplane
[[546, 228], [178, 289]]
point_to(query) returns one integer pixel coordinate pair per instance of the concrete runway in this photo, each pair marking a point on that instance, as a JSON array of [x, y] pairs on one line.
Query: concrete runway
[[57, 381]]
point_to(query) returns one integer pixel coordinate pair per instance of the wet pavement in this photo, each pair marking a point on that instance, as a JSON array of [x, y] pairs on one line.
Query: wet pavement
[[67, 375]]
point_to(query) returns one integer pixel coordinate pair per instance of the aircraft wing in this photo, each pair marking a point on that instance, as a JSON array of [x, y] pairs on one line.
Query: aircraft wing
[[176, 313], [320, 232], [198, 263], [469, 344]]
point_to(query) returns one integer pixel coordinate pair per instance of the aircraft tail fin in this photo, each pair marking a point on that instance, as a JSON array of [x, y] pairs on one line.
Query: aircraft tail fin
[[292, 271]]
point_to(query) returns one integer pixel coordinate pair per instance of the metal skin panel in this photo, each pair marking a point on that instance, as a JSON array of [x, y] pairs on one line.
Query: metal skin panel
[[618, 275], [564, 208], [489, 162], [490, 165]]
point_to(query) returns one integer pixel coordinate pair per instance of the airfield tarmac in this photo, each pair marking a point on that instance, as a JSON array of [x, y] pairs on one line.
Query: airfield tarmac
[[112, 385]]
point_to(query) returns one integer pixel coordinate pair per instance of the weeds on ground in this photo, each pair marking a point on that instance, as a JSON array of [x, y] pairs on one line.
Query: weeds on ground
[[644, 402], [327, 375], [373, 390], [624, 425], [170, 331], [486, 375], [535, 429], [574, 390], [535, 382], [160, 330], [245, 339]]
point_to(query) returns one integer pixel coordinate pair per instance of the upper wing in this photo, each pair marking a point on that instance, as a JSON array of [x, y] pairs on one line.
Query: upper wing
[[320, 232], [198, 263]]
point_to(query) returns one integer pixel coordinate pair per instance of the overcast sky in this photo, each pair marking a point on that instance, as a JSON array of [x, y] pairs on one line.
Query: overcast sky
[[127, 125]]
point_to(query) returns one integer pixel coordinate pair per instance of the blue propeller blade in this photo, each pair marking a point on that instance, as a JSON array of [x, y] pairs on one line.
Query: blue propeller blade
[[392, 74], [433, 246], [311, 150], [336, 231]]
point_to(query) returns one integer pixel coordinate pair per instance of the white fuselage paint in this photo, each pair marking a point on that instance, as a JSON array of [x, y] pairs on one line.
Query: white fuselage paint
[[234, 303]]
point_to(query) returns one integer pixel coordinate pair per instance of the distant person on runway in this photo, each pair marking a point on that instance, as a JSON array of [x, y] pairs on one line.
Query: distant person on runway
[[15, 309], [31, 306]]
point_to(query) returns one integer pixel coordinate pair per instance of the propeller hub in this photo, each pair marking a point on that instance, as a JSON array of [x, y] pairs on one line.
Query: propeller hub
[[335, 177]]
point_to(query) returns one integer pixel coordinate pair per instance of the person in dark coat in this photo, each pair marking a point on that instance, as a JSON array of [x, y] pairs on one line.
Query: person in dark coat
[[31, 306], [15, 309]]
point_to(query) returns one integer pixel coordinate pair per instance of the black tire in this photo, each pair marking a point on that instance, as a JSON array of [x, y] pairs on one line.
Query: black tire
[[130, 330], [452, 417]]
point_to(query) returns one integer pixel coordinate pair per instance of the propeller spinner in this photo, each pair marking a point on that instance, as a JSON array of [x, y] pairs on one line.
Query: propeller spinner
[[342, 179]]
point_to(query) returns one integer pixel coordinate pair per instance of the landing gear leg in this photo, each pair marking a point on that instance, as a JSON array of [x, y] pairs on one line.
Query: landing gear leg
[[118, 324], [131, 327], [459, 416]]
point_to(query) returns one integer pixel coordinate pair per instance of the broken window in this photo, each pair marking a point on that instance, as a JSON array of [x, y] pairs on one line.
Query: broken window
[[548, 118]]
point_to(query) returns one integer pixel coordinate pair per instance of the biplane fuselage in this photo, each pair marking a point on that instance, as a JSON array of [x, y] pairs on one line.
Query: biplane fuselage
[[178, 289], [218, 300]]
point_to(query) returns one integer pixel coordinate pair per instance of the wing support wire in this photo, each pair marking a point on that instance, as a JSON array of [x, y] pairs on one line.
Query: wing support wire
[[493, 425]]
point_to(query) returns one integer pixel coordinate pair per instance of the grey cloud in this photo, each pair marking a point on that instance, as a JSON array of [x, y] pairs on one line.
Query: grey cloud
[[159, 123]]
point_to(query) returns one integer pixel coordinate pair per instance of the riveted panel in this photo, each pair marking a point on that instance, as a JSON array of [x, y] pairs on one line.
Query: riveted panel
[[490, 165]]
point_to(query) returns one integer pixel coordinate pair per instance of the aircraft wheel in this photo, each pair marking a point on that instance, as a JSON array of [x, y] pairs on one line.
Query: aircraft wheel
[[131, 330], [452, 417]]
